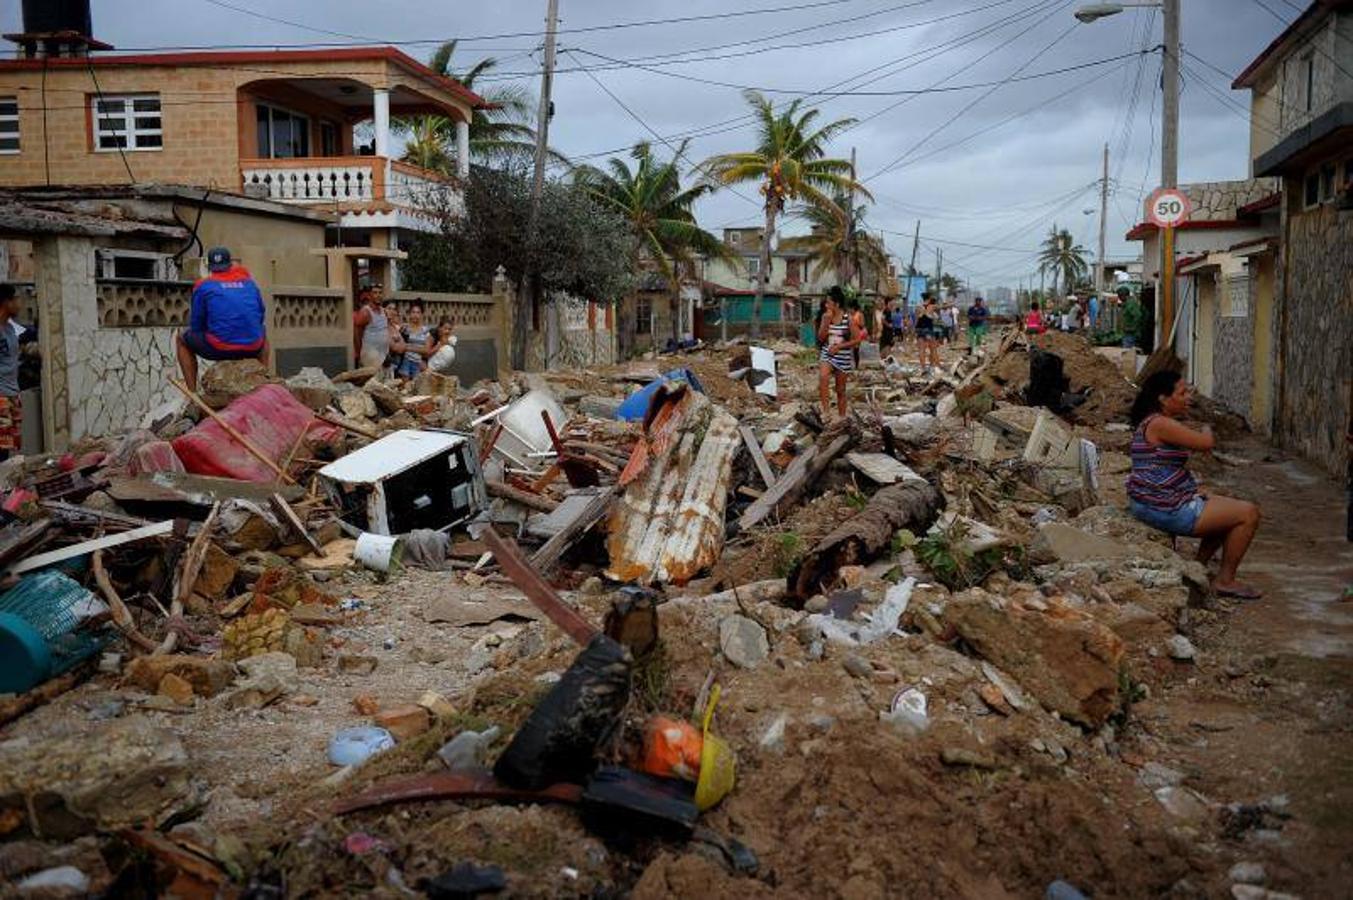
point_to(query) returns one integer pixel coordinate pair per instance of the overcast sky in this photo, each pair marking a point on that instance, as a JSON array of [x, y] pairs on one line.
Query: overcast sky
[[999, 174]]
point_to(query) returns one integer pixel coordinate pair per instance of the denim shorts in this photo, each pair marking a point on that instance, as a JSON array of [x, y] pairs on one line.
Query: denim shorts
[[1179, 521]]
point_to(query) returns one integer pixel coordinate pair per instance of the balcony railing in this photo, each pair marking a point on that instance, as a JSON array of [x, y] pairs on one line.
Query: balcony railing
[[344, 180]]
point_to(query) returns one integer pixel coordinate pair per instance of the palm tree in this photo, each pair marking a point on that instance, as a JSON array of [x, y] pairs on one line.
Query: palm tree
[[499, 133], [1064, 258], [838, 241], [790, 165], [659, 210]]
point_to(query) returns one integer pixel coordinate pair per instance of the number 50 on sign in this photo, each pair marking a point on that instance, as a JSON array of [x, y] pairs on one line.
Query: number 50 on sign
[[1168, 208]]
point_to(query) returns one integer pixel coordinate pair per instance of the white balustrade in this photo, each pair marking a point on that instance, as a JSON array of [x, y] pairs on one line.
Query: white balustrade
[[420, 192], [308, 183]]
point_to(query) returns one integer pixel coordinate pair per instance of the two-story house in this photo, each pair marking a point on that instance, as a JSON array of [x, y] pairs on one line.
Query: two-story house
[[1301, 131], [305, 127]]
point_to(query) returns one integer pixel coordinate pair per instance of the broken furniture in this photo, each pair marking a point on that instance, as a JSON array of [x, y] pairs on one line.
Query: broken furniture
[[408, 480]]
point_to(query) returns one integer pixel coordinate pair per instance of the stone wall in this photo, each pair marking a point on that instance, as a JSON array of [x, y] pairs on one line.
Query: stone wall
[[1232, 357], [584, 339], [1315, 333]]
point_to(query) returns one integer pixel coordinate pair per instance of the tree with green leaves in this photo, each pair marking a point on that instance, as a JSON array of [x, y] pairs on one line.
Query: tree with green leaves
[[789, 164], [1064, 259], [839, 242], [660, 213], [500, 134], [583, 248]]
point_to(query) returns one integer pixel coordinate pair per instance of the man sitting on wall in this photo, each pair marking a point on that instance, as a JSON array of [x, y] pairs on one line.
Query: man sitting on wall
[[226, 320]]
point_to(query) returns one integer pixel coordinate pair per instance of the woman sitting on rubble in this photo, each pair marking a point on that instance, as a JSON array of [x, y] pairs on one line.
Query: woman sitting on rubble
[[1163, 493], [838, 335]]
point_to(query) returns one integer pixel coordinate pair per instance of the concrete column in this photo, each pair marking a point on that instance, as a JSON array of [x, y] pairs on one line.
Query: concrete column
[[381, 115], [462, 148], [67, 300]]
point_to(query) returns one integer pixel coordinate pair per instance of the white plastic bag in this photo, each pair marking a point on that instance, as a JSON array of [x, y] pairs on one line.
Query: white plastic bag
[[444, 358]]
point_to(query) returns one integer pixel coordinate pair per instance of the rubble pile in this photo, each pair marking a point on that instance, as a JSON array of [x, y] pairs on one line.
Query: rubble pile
[[656, 628]]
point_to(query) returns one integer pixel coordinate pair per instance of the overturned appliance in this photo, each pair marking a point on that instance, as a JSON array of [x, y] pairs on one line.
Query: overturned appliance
[[408, 480]]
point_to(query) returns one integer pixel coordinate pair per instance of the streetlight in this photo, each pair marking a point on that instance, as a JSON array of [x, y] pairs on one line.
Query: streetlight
[[1169, 108], [1169, 129]]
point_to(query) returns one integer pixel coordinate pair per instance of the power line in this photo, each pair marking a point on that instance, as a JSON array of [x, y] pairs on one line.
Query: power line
[[958, 115], [1316, 46], [677, 153], [909, 92], [249, 12], [920, 56], [478, 38]]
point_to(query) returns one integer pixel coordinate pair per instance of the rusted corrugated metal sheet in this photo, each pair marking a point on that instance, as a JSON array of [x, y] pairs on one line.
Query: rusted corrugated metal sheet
[[669, 525]]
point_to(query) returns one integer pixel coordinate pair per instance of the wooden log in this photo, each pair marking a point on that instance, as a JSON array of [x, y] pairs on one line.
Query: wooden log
[[867, 534], [230, 430], [802, 472], [758, 457], [517, 495]]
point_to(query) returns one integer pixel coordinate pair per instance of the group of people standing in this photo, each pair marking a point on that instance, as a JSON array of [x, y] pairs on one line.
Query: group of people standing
[[383, 340], [841, 329]]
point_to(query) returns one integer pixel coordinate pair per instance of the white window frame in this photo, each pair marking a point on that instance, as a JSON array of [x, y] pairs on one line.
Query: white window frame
[[166, 269], [11, 117], [753, 266], [132, 133]]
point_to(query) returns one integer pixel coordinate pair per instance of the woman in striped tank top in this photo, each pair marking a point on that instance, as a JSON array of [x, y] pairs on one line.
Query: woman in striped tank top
[[837, 338], [1163, 493]]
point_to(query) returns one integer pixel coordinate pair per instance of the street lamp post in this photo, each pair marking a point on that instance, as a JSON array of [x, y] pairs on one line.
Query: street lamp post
[[1169, 130]]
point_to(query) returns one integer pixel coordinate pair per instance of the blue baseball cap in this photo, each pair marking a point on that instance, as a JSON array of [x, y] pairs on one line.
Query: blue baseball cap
[[218, 259]]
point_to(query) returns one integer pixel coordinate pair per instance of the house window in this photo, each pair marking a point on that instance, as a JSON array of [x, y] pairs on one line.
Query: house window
[[130, 122], [753, 265], [136, 264], [643, 315], [328, 139], [1311, 192], [9, 125], [1327, 183], [282, 134]]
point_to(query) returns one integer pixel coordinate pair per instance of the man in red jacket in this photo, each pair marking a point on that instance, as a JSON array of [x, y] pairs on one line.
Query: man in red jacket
[[227, 319]]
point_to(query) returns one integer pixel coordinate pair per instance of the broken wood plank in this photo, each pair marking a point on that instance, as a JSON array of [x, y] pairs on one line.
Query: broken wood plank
[[462, 785], [23, 540], [70, 512], [536, 589], [14, 705], [288, 515], [758, 457], [347, 426], [547, 557], [517, 495], [84, 548], [801, 472], [881, 468]]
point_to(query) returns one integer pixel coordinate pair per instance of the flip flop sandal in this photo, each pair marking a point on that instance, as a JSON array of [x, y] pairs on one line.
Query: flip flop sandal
[[1240, 593]]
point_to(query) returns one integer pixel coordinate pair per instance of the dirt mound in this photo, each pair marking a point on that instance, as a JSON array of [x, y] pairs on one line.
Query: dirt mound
[[1110, 394]]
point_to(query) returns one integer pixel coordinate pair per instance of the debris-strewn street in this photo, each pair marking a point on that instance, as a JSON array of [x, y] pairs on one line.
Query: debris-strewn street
[[940, 659]]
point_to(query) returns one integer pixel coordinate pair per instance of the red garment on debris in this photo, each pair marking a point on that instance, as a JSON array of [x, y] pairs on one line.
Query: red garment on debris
[[273, 421]]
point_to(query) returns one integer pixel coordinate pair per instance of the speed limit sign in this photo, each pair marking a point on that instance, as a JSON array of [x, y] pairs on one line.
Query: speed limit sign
[[1168, 208]]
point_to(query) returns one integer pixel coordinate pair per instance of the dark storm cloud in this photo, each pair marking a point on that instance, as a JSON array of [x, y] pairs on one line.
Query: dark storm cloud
[[1000, 184]]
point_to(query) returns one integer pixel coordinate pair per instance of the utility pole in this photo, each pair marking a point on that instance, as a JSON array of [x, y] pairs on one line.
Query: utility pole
[[1169, 107], [911, 267], [521, 320], [1103, 217]]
